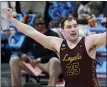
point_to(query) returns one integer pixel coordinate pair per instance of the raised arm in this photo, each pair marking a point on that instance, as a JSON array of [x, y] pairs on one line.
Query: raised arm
[[47, 41], [97, 40]]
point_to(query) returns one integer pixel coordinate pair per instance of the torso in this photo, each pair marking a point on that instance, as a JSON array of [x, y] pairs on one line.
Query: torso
[[78, 64], [89, 48]]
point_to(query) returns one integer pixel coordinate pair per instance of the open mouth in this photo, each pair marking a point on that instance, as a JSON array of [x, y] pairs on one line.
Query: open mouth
[[74, 34]]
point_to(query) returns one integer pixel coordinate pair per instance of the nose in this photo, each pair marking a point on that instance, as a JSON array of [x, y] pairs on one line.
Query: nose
[[73, 29]]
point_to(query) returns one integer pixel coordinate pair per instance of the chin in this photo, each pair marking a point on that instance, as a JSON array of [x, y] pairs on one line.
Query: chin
[[73, 39]]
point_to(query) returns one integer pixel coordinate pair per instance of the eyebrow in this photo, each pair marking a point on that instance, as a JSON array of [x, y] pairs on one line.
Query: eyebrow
[[72, 25], [75, 24]]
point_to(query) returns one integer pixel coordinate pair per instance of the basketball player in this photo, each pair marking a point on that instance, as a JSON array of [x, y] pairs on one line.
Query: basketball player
[[77, 55]]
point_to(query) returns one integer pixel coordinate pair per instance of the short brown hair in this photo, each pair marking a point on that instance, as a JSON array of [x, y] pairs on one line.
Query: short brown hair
[[67, 18]]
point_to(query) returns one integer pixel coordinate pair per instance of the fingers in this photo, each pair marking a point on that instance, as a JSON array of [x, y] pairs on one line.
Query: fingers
[[7, 10]]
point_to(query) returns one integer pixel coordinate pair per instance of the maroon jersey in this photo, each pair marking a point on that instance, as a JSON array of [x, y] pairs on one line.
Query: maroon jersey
[[79, 70]]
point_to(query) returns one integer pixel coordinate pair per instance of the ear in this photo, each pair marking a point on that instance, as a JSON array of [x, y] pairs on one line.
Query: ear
[[62, 31]]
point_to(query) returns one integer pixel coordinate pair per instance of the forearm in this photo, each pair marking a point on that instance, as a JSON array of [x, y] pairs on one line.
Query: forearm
[[22, 27], [46, 41]]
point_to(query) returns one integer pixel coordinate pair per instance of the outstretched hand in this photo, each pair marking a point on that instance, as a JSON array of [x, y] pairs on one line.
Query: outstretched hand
[[8, 12]]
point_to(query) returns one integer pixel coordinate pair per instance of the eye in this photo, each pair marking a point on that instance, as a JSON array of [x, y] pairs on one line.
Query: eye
[[75, 26], [69, 26]]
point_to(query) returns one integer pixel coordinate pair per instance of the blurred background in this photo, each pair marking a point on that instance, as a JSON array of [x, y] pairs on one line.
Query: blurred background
[[52, 12]]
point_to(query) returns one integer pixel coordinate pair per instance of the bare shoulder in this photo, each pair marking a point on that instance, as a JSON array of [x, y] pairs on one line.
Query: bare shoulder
[[88, 39], [89, 42], [90, 48]]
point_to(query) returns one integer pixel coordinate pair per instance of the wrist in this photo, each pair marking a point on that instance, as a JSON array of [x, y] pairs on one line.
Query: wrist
[[10, 18]]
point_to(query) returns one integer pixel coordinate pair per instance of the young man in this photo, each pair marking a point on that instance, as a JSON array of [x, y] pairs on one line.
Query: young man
[[77, 55]]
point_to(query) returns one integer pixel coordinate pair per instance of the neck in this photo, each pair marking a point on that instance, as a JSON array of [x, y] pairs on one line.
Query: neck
[[70, 43]]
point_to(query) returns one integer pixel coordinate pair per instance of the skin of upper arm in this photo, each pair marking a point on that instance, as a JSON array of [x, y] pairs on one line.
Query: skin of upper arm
[[97, 40], [50, 42]]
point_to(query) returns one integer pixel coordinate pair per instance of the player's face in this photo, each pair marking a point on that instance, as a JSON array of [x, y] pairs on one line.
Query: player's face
[[71, 30]]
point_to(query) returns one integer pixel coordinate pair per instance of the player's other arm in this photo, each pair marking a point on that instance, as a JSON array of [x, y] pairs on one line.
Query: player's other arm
[[97, 40]]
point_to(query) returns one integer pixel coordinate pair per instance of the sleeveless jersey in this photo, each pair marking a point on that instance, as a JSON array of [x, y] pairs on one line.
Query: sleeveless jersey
[[79, 70]]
